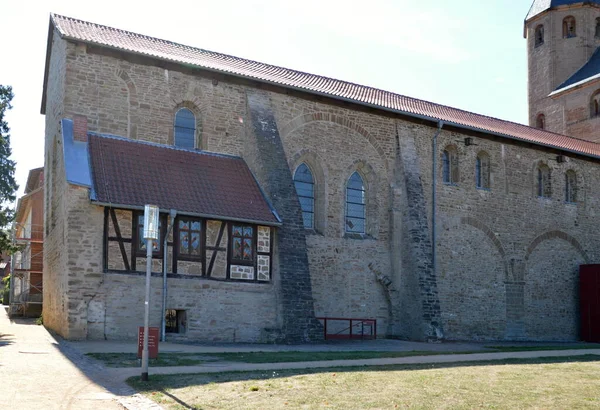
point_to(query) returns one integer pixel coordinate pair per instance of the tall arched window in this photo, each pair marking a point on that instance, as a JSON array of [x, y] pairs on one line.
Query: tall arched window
[[355, 205], [570, 186], [540, 122], [450, 166], [598, 27], [569, 27], [544, 187], [482, 171], [539, 35], [595, 104], [185, 129], [305, 188]]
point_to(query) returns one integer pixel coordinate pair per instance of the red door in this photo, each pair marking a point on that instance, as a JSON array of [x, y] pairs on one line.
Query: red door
[[589, 302]]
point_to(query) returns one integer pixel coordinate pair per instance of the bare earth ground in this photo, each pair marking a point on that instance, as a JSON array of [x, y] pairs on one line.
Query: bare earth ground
[[546, 383]]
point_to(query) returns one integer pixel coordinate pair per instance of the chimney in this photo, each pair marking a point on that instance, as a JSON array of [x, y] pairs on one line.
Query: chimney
[[80, 128]]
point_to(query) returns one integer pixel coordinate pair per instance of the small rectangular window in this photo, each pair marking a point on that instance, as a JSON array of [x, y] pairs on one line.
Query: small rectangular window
[[242, 244], [190, 238], [175, 321]]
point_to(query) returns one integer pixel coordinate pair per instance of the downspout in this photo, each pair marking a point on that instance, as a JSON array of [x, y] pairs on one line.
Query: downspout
[[433, 197], [163, 322]]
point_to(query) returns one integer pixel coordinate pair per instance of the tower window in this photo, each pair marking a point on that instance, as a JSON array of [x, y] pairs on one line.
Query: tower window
[[598, 27], [569, 27], [540, 122], [595, 105], [539, 35]]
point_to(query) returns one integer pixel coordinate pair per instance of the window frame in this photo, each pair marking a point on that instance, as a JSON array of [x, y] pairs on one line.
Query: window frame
[[195, 129], [450, 166], [571, 186], [242, 262], [483, 171], [567, 33], [177, 242], [313, 198], [539, 36], [540, 121], [363, 204], [544, 182]]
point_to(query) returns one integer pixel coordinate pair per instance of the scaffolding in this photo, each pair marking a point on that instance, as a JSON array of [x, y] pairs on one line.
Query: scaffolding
[[26, 283]]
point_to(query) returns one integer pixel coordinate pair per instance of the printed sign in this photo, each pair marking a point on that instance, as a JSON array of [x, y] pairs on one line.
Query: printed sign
[[152, 342]]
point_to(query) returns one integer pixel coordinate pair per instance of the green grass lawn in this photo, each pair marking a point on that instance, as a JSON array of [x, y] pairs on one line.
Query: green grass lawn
[[191, 359], [545, 383]]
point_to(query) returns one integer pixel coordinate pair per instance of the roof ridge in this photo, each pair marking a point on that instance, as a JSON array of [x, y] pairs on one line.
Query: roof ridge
[[165, 146], [327, 86]]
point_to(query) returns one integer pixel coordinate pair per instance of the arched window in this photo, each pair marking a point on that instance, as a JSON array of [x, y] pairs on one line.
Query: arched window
[[598, 27], [482, 171], [539, 35], [540, 122], [185, 129], [450, 166], [571, 186], [355, 205], [569, 28], [305, 188], [595, 104], [544, 187]]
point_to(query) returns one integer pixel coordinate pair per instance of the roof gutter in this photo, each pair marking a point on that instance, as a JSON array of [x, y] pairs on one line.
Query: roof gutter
[[334, 97], [194, 214]]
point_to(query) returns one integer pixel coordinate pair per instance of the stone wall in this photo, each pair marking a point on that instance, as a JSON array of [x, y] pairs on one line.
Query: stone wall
[[503, 255]]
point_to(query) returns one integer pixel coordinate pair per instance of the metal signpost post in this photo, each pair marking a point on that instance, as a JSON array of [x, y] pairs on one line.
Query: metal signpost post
[[150, 234]]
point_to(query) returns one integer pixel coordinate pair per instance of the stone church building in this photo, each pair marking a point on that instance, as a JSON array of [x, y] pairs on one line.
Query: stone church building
[[288, 197]]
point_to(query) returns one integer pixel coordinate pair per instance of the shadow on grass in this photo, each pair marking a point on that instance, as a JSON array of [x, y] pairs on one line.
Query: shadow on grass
[[162, 383]]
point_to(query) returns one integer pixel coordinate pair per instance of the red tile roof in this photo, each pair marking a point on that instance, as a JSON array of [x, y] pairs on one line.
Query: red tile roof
[[133, 173], [92, 33]]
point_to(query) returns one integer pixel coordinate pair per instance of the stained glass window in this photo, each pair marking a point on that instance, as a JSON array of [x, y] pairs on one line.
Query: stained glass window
[[185, 129], [141, 245], [305, 188], [190, 236], [355, 204], [242, 243]]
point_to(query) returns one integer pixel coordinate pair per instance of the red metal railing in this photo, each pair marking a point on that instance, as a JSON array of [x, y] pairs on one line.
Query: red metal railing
[[355, 328]]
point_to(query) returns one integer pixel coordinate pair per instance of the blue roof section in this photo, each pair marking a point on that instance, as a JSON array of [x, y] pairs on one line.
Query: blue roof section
[[539, 6], [77, 163], [589, 71]]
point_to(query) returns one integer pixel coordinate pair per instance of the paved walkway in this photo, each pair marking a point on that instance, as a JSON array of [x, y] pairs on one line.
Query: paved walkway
[[41, 372], [45, 372]]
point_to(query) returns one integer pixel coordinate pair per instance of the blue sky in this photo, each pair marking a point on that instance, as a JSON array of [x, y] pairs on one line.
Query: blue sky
[[468, 54]]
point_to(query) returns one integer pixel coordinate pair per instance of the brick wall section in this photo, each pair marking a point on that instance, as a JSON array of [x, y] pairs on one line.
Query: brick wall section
[[419, 285], [298, 318], [55, 282]]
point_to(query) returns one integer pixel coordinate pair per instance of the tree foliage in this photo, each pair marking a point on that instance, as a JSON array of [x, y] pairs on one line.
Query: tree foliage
[[8, 184]]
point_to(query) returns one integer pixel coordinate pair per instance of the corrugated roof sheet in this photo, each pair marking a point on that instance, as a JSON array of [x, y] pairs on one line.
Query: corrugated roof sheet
[[589, 71], [92, 33], [539, 6], [135, 173]]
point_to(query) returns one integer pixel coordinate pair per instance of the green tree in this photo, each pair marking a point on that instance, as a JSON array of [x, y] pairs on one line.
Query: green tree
[[8, 185]]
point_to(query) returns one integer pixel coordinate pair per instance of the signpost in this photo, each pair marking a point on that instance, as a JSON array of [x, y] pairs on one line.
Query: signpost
[[150, 234], [152, 342]]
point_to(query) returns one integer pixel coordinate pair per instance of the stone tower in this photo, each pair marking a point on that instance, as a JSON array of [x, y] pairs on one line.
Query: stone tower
[[562, 37]]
